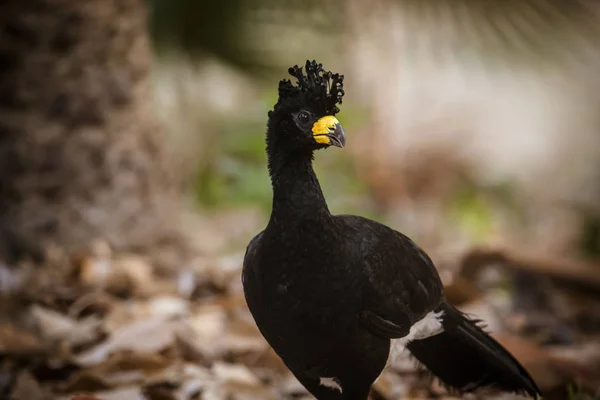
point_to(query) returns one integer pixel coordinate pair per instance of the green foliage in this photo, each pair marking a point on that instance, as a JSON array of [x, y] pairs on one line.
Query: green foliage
[[237, 174], [590, 237], [475, 208], [352, 117], [344, 191], [470, 210], [576, 392]]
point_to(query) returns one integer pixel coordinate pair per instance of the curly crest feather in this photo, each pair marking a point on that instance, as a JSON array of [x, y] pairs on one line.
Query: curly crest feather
[[323, 87]]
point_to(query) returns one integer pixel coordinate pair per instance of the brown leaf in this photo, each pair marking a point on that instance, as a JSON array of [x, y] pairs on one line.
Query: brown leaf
[[138, 273], [582, 273], [236, 381], [244, 337], [290, 386], [168, 306], [124, 273], [389, 386], [204, 332], [52, 325], [14, 341], [241, 391], [160, 391], [189, 346], [85, 381], [94, 271], [27, 388], [195, 379], [126, 361], [383, 387], [266, 359], [461, 291], [126, 393], [11, 279], [92, 303], [84, 396], [124, 368], [144, 336], [549, 371], [234, 373]]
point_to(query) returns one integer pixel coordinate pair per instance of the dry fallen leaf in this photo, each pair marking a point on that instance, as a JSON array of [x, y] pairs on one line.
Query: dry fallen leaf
[[242, 337], [290, 386], [240, 391], [145, 336], [95, 271], [16, 342], [27, 388], [85, 381], [203, 333], [120, 274], [123, 368], [225, 372], [160, 391], [548, 370], [195, 379], [52, 325], [224, 270], [202, 344], [461, 291], [138, 273], [168, 306], [190, 346], [92, 303], [11, 279], [84, 396], [124, 393], [390, 386], [576, 271], [383, 387]]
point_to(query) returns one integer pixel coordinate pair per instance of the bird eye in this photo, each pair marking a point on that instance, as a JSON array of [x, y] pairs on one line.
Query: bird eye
[[303, 117]]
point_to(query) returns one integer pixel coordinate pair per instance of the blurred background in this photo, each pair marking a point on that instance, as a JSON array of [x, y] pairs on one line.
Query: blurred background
[[133, 174]]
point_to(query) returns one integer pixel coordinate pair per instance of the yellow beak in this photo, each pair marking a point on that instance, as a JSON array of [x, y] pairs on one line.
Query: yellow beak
[[328, 130]]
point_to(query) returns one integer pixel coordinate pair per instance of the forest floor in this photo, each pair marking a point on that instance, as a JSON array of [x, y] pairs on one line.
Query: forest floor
[[108, 326]]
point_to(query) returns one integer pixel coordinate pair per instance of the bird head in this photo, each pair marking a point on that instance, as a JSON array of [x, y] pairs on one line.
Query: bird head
[[304, 116]]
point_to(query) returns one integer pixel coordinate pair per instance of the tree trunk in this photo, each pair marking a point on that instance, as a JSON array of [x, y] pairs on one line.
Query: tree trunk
[[80, 149]]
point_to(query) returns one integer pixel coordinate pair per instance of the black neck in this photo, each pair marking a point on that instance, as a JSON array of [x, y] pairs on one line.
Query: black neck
[[297, 195]]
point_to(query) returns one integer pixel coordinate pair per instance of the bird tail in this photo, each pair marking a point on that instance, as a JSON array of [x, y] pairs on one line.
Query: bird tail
[[466, 358]]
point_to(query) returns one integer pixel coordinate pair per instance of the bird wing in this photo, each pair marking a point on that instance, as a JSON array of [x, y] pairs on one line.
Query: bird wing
[[249, 256], [383, 328], [403, 284]]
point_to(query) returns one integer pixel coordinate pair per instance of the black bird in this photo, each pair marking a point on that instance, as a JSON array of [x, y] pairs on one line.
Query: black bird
[[333, 294]]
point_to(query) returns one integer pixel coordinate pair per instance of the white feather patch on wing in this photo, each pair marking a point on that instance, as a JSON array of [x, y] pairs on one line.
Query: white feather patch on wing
[[331, 383], [429, 325]]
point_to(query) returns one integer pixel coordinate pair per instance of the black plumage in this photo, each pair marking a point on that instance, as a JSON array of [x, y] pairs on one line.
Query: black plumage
[[330, 292]]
